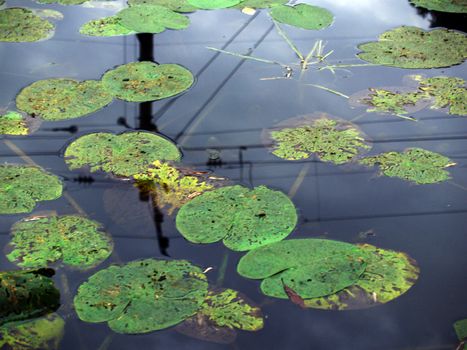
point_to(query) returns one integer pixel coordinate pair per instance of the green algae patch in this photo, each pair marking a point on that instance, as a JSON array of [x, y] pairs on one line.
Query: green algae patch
[[152, 19], [243, 219], [59, 99], [309, 267], [328, 139], [412, 47], [174, 5], [13, 123], [76, 241], [259, 4], [213, 4], [107, 26], [388, 275], [147, 81], [27, 294], [142, 296], [303, 16], [448, 92], [23, 25], [43, 333], [456, 6], [21, 186], [126, 154], [414, 164]]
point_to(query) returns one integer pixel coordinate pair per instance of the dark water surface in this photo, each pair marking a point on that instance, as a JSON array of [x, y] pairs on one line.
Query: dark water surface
[[226, 110]]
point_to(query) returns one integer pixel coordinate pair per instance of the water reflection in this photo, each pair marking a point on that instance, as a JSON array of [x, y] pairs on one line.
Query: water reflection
[[443, 19]]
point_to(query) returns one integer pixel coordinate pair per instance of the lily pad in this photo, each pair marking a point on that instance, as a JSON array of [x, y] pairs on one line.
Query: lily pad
[[62, 2], [152, 19], [27, 294], [260, 4], [22, 25], [303, 16], [244, 219], [14, 123], [107, 26], [147, 81], [330, 140], [43, 333], [448, 92], [457, 6], [460, 328], [412, 47], [388, 275], [58, 99], [213, 4], [21, 186], [77, 241], [174, 5], [126, 154], [310, 267], [414, 164], [142, 296]]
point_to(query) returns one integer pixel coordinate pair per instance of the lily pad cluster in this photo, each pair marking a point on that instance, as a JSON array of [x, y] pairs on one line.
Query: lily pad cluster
[[457, 6], [303, 16], [243, 219], [21, 186], [14, 123], [126, 154], [77, 241], [23, 25]]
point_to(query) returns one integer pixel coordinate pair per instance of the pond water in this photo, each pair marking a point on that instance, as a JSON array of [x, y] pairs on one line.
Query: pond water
[[223, 116]]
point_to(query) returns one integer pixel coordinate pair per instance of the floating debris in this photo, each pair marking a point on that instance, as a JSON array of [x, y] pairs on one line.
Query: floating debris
[[303, 16]]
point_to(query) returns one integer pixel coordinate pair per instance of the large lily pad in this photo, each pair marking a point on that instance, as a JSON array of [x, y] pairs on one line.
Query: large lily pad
[[23, 25], [303, 16], [174, 5], [58, 99], [142, 296], [388, 275], [126, 154], [107, 26], [448, 92], [309, 267], [152, 19], [77, 241], [21, 186], [244, 219], [457, 6], [412, 47], [414, 164], [147, 81], [213, 4], [14, 123], [27, 294]]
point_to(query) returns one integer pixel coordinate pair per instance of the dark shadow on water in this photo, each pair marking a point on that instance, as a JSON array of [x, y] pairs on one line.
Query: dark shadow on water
[[448, 20]]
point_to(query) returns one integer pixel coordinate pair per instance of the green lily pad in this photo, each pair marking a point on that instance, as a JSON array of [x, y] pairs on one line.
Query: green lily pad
[[14, 123], [58, 99], [412, 47], [310, 267], [21, 186], [147, 81], [260, 4], [152, 19], [457, 6], [330, 140], [22, 25], [142, 296], [77, 241], [387, 276], [126, 154], [448, 92], [27, 294], [107, 26], [414, 164], [303, 16], [43, 333], [62, 2], [460, 328], [213, 4], [244, 219], [174, 5]]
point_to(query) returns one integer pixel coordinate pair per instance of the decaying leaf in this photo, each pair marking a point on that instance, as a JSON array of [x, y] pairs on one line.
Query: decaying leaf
[[449, 92], [23, 25], [14, 123]]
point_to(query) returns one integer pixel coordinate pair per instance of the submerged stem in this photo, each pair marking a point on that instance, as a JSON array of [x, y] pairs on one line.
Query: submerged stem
[[329, 90], [247, 57]]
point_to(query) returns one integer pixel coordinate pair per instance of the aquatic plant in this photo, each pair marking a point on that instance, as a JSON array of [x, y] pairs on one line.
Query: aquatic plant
[[259, 4], [387, 101], [13, 123], [448, 92], [62, 2], [460, 328], [174, 5], [107, 26], [213, 4], [303, 16], [23, 25], [458, 6]]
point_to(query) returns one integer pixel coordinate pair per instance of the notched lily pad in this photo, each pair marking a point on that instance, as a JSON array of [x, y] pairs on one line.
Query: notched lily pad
[[174, 5], [77, 241], [21, 186], [152, 19], [58, 99], [107, 26], [14, 123], [147, 81], [142, 296], [213, 4], [243, 219], [303, 16], [23, 25], [457, 6], [412, 47], [126, 154], [449, 92]]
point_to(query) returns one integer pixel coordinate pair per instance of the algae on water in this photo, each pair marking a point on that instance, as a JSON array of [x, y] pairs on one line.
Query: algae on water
[[386, 101], [449, 92]]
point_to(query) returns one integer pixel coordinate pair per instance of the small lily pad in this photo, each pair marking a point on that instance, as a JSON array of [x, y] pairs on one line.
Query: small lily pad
[[414, 164], [14, 123], [27, 294], [107, 26], [457, 6], [152, 19], [58, 99], [303, 16], [174, 5], [147, 81], [244, 219], [213, 4], [126, 154], [142, 296], [21, 186], [77, 241], [22, 25], [448, 92], [412, 47]]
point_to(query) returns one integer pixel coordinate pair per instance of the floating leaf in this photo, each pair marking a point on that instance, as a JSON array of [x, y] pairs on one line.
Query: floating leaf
[[21, 186], [412, 47], [244, 219], [22, 25], [213, 4], [147, 81], [200, 327], [461, 331], [58, 99], [107, 26], [126, 154], [414, 164], [259, 4], [309, 267], [62, 2], [448, 92], [174, 5], [14, 123], [152, 19], [458, 6], [77, 241], [142, 296], [303, 16], [388, 275], [27, 294]]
